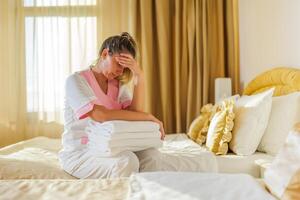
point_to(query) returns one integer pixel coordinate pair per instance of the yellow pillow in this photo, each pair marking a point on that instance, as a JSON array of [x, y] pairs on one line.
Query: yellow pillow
[[219, 131], [199, 127]]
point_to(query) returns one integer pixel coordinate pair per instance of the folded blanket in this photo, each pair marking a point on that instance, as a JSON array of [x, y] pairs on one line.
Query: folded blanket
[[120, 126]]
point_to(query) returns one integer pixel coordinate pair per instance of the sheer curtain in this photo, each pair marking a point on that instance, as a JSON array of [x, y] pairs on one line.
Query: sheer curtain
[[60, 38], [12, 79], [42, 42]]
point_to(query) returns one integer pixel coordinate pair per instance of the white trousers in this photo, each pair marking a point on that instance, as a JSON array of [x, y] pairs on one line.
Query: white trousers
[[85, 165]]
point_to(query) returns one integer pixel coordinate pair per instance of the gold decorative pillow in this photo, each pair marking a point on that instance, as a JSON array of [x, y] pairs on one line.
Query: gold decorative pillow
[[199, 127], [220, 127]]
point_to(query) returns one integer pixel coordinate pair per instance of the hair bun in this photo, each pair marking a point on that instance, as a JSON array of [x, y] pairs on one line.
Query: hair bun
[[127, 35], [129, 38]]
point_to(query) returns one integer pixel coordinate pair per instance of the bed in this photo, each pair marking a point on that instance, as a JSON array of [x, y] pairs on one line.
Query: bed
[[37, 158], [30, 170]]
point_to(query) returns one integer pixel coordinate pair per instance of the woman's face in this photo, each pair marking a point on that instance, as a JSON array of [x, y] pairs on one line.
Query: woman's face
[[109, 65]]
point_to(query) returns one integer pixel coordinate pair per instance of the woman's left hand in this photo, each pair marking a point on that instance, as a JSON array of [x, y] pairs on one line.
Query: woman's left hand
[[126, 60]]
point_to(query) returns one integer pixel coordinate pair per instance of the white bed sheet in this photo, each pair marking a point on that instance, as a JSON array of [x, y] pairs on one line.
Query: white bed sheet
[[179, 153], [104, 189], [50, 144], [196, 185], [32, 159]]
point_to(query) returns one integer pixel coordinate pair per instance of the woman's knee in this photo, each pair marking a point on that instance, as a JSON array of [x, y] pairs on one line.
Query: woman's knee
[[128, 164], [86, 165]]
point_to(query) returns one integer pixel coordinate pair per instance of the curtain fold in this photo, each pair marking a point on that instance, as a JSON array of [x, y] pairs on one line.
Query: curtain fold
[[232, 44], [183, 46]]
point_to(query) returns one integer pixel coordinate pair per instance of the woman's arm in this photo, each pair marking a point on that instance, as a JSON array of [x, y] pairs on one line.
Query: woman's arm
[[138, 101], [101, 114]]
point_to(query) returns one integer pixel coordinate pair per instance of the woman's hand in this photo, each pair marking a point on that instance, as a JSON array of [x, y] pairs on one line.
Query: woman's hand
[[126, 60], [162, 130]]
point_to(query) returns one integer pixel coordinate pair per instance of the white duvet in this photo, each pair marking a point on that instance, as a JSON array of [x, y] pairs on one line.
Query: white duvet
[[154, 186], [178, 153], [195, 186]]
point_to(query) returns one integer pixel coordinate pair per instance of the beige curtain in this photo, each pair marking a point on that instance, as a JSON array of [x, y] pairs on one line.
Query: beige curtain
[[183, 44]]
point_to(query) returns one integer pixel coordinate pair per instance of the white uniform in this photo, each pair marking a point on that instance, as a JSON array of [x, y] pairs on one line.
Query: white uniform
[[82, 93]]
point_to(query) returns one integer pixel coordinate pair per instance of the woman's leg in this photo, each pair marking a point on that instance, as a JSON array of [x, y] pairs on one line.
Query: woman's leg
[[82, 164]]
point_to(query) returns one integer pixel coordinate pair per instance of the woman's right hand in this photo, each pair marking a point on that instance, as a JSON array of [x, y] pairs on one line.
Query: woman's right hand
[[161, 126]]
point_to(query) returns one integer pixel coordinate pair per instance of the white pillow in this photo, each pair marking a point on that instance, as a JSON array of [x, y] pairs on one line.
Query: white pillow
[[285, 113], [251, 119], [234, 98]]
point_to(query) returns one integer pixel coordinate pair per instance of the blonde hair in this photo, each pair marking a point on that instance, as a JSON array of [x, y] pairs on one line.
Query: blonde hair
[[118, 44]]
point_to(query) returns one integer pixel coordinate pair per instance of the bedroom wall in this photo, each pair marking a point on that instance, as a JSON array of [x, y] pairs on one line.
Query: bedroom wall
[[269, 36]]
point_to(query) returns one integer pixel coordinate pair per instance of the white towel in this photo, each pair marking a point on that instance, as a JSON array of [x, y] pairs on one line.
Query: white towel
[[112, 137], [121, 126]]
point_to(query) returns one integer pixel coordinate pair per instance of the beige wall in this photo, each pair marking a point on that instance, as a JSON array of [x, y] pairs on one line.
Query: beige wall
[[269, 35]]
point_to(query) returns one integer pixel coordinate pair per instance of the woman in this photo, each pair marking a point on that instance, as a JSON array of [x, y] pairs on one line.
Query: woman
[[101, 93]]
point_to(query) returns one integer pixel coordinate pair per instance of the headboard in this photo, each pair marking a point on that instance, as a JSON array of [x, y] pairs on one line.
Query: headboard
[[285, 80]]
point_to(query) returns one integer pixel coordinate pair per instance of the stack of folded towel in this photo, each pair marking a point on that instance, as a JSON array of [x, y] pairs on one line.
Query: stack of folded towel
[[112, 137]]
